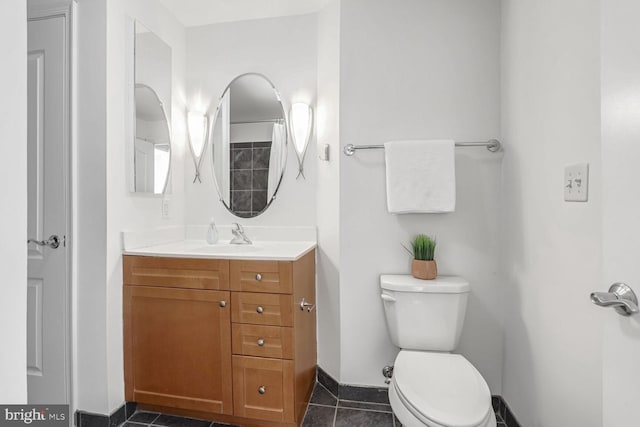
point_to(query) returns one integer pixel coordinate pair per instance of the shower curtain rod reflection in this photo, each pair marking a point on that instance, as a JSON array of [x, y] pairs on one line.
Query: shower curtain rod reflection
[[492, 145], [244, 122]]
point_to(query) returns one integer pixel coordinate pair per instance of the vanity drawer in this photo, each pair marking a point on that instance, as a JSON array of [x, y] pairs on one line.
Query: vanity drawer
[[263, 388], [261, 276], [262, 341], [262, 309], [176, 272]]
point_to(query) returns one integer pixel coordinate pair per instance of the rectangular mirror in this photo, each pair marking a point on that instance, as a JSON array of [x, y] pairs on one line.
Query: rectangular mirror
[[152, 95]]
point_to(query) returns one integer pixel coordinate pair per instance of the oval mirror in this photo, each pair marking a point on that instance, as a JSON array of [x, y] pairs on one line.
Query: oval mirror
[[249, 140], [152, 147]]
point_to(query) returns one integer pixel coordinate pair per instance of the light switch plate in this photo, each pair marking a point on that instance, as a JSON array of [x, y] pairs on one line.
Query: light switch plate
[[324, 152], [576, 182]]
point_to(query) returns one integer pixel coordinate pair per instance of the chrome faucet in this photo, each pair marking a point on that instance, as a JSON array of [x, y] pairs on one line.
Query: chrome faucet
[[239, 237]]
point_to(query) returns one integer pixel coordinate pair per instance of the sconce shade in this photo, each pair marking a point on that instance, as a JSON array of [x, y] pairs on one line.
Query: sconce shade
[[301, 118], [197, 125]]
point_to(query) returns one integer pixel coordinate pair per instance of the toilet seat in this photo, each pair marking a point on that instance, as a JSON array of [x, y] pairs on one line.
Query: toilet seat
[[441, 389]]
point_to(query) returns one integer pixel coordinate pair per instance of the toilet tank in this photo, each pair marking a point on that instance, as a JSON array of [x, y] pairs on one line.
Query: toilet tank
[[424, 315]]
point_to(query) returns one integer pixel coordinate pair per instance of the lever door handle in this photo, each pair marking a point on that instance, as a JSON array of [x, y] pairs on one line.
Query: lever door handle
[[620, 296], [53, 242]]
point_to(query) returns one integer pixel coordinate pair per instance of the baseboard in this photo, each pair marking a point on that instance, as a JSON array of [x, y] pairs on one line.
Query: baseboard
[[119, 416], [379, 395], [501, 408], [327, 381], [351, 392]]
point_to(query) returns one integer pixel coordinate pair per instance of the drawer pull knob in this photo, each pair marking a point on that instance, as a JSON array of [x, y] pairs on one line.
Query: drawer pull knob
[[260, 342], [258, 277], [223, 303], [260, 309], [262, 389]]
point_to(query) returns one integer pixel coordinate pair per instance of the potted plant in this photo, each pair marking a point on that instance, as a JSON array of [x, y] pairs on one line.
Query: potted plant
[[423, 265]]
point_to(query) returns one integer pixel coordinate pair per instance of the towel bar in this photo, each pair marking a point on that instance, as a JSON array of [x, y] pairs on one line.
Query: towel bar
[[492, 145]]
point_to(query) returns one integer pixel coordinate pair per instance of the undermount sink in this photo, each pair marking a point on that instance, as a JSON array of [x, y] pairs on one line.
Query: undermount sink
[[226, 249]]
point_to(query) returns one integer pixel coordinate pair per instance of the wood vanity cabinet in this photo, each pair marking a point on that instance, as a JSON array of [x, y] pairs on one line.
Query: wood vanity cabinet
[[226, 340]]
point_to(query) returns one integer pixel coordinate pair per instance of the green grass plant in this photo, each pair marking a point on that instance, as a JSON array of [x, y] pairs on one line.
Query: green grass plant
[[424, 247]]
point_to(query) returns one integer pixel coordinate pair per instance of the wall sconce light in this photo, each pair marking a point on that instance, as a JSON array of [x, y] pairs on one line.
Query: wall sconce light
[[301, 121], [197, 127]]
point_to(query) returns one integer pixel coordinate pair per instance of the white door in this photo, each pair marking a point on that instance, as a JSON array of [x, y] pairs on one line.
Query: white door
[[144, 165], [620, 66], [48, 290]]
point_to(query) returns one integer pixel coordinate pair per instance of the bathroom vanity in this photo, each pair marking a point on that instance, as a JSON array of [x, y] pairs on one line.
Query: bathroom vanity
[[227, 337]]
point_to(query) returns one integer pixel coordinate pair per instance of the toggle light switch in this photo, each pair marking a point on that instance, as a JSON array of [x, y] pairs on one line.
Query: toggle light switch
[[576, 182], [324, 152]]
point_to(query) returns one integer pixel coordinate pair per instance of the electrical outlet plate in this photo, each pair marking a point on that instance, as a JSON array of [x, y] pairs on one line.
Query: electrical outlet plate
[[576, 182]]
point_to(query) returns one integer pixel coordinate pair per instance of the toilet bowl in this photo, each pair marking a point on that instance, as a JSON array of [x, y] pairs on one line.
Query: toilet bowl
[[430, 386], [439, 390]]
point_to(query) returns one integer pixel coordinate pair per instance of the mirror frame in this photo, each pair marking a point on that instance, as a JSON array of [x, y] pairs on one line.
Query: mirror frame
[[287, 137], [135, 136]]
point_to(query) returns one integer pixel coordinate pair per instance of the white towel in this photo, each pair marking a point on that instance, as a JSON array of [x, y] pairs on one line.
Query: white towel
[[421, 176]]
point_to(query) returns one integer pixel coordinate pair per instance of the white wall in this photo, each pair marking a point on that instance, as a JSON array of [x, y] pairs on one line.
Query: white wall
[[13, 209], [105, 206], [90, 367], [413, 70], [124, 209], [551, 118], [153, 66], [284, 50], [328, 190]]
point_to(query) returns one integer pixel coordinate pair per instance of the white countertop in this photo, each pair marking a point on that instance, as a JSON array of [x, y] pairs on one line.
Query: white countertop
[[261, 250]]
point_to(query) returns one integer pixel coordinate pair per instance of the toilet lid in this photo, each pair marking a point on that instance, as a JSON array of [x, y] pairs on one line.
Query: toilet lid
[[441, 388]]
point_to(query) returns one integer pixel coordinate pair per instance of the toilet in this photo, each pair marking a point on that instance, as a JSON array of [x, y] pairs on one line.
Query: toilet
[[431, 386]]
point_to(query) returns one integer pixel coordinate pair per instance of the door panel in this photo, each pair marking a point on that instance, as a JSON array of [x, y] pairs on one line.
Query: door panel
[[47, 150], [144, 166], [34, 327], [35, 151], [620, 76]]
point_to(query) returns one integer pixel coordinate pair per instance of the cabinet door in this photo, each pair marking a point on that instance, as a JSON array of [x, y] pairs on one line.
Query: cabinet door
[[177, 345], [263, 388]]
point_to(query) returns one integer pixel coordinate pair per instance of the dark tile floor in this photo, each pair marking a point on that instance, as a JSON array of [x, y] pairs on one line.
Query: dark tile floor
[[325, 410]]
